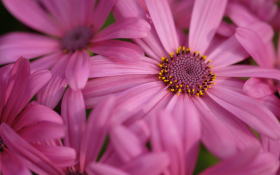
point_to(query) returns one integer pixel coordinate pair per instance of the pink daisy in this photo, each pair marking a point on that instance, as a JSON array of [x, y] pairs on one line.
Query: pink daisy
[[153, 83], [70, 37], [23, 133]]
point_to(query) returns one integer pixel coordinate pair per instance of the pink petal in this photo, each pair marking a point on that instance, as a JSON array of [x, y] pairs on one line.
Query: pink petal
[[45, 62], [100, 66], [126, 144], [10, 165], [240, 15], [125, 9], [267, 10], [264, 30], [272, 103], [235, 84], [17, 44], [99, 87], [165, 137], [103, 169], [164, 24], [101, 12], [149, 164], [182, 12], [34, 160], [253, 45], [248, 110], [41, 132], [231, 50], [126, 28], [96, 130], [74, 116], [77, 70], [60, 156], [258, 87], [4, 80], [28, 89], [141, 129], [225, 29], [247, 71], [34, 114], [206, 18], [52, 92], [30, 13], [270, 145], [278, 48], [118, 49]]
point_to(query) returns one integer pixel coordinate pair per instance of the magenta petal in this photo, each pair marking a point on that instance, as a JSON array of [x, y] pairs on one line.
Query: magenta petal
[[74, 116], [100, 66], [164, 24], [28, 45], [149, 164], [126, 144], [253, 44], [4, 80], [272, 103], [10, 165], [35, 160], [103, 169], [78, 68], [264, 30], [45, 62], [118, 49], [60, 156], [96, 130], [24, 93], [248, 110], [126, 28], [30, 13], [230, 49], [270, 145], [206, 18], [101, 12], [52, 92], [258, 87]]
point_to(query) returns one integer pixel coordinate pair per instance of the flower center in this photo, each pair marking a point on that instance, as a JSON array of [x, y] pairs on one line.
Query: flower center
[[78, 38], [185, 72]]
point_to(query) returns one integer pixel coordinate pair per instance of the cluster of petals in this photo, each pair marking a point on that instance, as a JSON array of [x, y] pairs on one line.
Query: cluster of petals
[[154, 100]]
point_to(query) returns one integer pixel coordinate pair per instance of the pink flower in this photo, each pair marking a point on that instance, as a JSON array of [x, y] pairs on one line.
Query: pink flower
[[24, 132], [73, 28], [153, 83]]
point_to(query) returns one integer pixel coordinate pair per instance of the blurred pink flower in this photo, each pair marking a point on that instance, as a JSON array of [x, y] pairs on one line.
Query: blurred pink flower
[[22, 132], [74, 27], [223, 110]]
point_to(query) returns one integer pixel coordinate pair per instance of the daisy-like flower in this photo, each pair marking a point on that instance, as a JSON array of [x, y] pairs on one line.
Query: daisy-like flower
[[24, 132], [73, 28], [184, 80]]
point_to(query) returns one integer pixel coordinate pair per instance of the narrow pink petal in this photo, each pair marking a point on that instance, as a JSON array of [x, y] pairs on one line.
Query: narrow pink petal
[[74, 116], [206, 18], [141, 129], [225, 29], [52, 92], [28, 45], [60, 156], [99, 87], [182, 12], [101, 12], [247, 71], [253, 45], [231, 50], [248, 110], [125, 9], [258, 87], [20, 98], [77, 70], [41, 132], [118, 49], [235, 84], [5, 72], [165, 137], [240, 15], [234, 164], [126, 144], [30, 13], [149, 164], [45, 62], [100, 66], [96, 130], [272, 103], [103, 169], [267, 10], [36, 113], [35, 160], [164, 24], [125, 28], [10, 165], [264, 30]]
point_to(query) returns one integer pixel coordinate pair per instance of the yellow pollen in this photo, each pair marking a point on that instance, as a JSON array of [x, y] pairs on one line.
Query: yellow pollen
[[170, 82], [179, 90], [172, 90], [181, 85], [162, 58]]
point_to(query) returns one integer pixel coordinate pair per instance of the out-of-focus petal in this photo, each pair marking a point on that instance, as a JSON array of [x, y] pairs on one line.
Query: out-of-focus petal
[[45, 62], [4, 80], [258, 87], [272, 103], [103, 169], [30, 13], [206, 17], [164, 24]]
